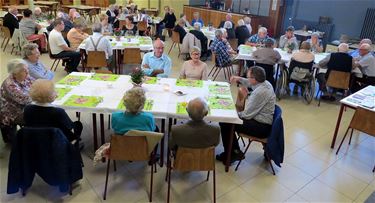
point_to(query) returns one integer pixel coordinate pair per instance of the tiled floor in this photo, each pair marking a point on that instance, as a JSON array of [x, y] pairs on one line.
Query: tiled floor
[[311, 171]]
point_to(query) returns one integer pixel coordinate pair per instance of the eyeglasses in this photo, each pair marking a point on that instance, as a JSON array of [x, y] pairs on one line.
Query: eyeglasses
[[195, 53]]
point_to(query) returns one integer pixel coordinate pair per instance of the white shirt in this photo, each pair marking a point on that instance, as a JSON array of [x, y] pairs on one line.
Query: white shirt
[[55, 41], [104, 44], [249, 28]]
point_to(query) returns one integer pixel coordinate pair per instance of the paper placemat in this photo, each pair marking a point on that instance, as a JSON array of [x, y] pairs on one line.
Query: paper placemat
[[83, 101], [181, 108], [189, 83], [219, 89], [221, 103], [61, 92], [104, 77], [72, 80]]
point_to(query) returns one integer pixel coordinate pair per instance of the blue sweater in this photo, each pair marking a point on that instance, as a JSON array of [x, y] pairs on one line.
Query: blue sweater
[[123, 122]]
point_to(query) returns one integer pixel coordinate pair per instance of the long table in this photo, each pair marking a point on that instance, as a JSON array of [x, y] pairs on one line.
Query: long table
[[102, 94], [52, 5], [364, 98]]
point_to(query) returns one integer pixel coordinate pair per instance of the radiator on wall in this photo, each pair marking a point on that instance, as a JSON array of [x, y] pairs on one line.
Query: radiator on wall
[[368, 29]]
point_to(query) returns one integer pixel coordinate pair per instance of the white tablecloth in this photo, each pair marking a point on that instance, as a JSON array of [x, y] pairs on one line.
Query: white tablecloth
[[162, 94], [210, 34], [125, 42], [364, 98]]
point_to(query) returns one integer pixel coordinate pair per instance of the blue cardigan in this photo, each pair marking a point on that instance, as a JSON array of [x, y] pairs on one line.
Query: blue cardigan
[[275, 141]]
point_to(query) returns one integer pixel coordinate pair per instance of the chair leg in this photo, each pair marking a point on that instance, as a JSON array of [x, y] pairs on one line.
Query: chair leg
[[169, 185], [211, 71], [351, 135], [214, 185], [208, 176], [269, 161], [114, 165], [109, 121], [151, 181], [58, 61], [216, 70], [70, 190], [2, 44], [342, 141], [320, 96], [225, 74], [248, 145], [106, 181], [170, 49], [373, 170], [219, 69], [6, 44], [179, 51], [53, 64]]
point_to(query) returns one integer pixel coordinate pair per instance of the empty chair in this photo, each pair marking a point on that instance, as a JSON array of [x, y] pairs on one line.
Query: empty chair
[[96, 59], [132, 56], [176, 41]]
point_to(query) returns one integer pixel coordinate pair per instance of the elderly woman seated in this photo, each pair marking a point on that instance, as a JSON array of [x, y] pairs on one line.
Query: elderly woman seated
[[194, 69], [14, 96], [199, 35], [133, 118], [38, 15], [304, 55], [76, 35], [316, 43], [42, 114], [106, 27], [230, 30], [37, 70]]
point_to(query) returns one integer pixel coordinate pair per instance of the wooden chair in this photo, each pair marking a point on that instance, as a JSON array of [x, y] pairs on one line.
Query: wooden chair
[[142, 26], [132, 56], [216, 69], [189, 159], [6, 37], [363, 121], [55, 59], [176, 41], [104, 72], [122, 23], [88, 30], [233, 43], [338, 80], [96, 59], [263, 141], [134, 146]]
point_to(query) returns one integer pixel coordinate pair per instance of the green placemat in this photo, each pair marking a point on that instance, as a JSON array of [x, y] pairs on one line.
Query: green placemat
[[130, 44], [104, 77], [83, 101], [73, 80], [221, 103], [219, 89], [189, 83], [113, 44], [150, 80], [181, 108], [148, 105], [61, 92], [246, 49]]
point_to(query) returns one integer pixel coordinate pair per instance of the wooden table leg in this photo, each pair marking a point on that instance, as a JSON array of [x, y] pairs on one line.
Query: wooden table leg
[[337, 126], [162, 143], [240, 66], [229, 152], [95, 133]]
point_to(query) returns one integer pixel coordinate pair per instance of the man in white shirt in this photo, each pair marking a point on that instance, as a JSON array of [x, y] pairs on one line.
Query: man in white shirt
[[97, 42], [60, 49], [366, 63]]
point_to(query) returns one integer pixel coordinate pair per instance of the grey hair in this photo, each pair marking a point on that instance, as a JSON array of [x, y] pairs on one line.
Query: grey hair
[[197, 109], [218, 33], [258, 73], [37, 9], [15, 66], [43, 91], [195, 49], [197, 25], [247, 20], [305, 45], [366, 47], [134, 100], [28, 49], [262, 29], [343, 47], [240, 22], [315, 34], [366, 40], [227, 25], [97, 27]]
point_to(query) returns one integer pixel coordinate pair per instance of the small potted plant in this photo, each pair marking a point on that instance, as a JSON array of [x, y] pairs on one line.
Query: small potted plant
[[290, 48], [117, 33], [137, 77]]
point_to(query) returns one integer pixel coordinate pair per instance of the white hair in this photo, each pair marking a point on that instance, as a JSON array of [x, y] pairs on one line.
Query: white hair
[[197, 109], [247, 20], [197, 25], [218, 33], [37, 9], [15, 66], [343, 47], [240, 22], [227, 25], [262, 30]]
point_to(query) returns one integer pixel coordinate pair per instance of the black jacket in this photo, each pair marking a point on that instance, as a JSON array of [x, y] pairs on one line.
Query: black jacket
[[46, 152], [199, 35], [10, 22], [181, 31], [242, 34], [231, 33], [169, 20]]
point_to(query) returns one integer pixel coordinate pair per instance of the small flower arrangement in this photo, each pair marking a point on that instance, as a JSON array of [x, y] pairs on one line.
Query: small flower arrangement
[[117, 32], [137, 76]]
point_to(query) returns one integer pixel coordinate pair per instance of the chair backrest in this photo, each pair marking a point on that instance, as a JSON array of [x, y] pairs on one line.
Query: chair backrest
[[88, 30], [132, 56], [6, 32], [363, 120], [175, 37], [190, 159], [142, 25], [132, 148], [233, 43], [294, 63], [64, 34], [338, 79], [96, 59]]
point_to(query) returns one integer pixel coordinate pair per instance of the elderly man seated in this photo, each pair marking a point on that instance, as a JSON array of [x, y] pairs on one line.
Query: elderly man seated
[[220, 48], [196, 133], [258, 39], [267, 57], [97, 42], [256, 110], [156, 63], [366, 63], [316, 43], [38, 15], [339, 61], [37, 70], [355, 53], [199, 35], [288, 41], [10, 19]]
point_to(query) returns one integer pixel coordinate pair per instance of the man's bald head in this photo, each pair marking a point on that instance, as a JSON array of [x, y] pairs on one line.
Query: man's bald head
[[158, 48], [13, 10], [197, 109]]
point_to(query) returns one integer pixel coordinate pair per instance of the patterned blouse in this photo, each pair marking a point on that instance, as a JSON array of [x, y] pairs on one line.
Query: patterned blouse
[[14, 96]]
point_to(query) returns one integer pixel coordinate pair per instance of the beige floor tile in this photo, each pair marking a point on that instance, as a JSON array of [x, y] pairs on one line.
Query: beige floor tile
[[317, 191], [292, 177], [237, 195], [342, 182], [265, 188], [355, 168], [295, 199], [364, 194]]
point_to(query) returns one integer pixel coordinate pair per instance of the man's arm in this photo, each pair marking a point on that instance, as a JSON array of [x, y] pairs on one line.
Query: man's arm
[[166, 69], [323, 63]]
